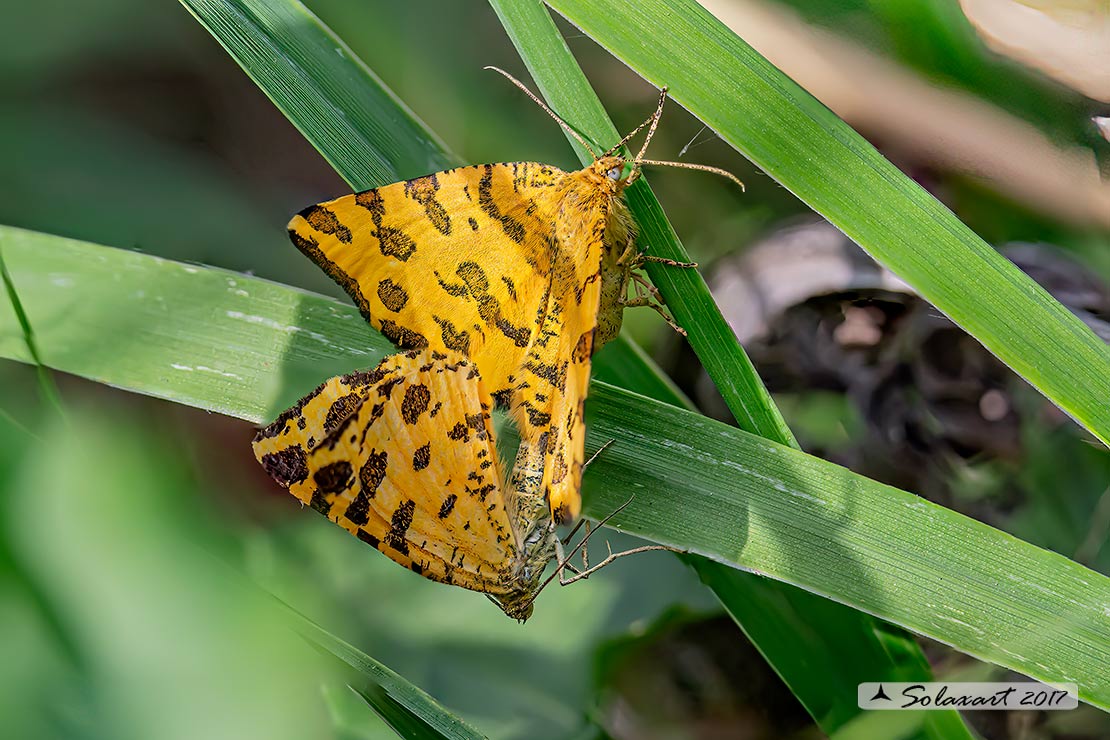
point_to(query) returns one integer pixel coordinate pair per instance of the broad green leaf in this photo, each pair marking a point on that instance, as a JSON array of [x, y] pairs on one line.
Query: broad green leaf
[[700, 485]]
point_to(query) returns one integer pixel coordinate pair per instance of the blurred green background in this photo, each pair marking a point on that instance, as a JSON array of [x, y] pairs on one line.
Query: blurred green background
[[139, 539]]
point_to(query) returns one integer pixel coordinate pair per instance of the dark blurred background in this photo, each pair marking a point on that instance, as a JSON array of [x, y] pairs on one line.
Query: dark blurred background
[[139, 539]]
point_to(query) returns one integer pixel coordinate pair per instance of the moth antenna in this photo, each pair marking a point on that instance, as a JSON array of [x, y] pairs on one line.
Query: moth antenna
[[653, 120], [535, 99], [692, 166]]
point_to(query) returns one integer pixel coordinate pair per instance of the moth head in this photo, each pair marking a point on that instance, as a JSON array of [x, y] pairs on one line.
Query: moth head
[[615, 172]]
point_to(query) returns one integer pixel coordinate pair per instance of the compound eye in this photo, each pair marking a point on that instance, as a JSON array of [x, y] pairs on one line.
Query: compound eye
[[614, 174]]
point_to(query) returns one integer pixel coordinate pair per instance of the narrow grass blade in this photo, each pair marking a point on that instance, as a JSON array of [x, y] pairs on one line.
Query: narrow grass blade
[[360, 127], [402, 705], [47, 386]]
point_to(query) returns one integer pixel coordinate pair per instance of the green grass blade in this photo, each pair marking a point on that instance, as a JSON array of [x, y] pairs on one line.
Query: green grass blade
[[701, 485], [402, 705], [361, 128], [805, 147], [47, 386], [812, 643], [405, 723]]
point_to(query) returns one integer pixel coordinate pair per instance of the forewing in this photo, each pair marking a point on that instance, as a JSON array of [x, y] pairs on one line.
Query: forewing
[[458, 260], [555, 376], [412, 470]]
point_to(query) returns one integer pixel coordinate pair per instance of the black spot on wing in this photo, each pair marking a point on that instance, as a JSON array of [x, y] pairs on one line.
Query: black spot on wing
[[423, 190], [395, 243], [448, 505], [584, 347], [422, 457], [403, 337], [453, 339], [326, 222], [358, 512], [509, 285], [559, 470], [477, 422], [287, 466], [372, 472], [415, 402], [392, 295], [503, 398], [519, 334], [555, 374], [474, 276], [513, 228], [561, 514], [372, 201], [536, 417], [334, 478], [399, 526], [477, 284], [340, 410], [385, 388], [320, 502]]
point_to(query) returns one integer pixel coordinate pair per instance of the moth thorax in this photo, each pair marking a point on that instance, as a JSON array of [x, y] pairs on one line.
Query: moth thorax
[[619, 237]]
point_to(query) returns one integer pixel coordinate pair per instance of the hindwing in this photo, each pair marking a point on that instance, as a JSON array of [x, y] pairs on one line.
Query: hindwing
[[403, 457]]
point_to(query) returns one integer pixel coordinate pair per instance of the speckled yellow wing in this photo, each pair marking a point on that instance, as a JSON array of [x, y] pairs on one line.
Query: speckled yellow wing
[[403, 457], [590, 232], [458, 260]]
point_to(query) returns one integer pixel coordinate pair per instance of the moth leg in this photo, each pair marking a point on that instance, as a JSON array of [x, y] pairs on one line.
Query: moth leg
[[629, 255], [631, 260], [663, 261], [581, 522], [563, 581], [651, 298], [561, 559], [587, 570]]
